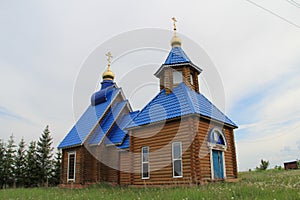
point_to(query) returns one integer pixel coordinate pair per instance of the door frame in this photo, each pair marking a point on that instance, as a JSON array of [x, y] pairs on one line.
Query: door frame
[[213, 146], [212, 163]]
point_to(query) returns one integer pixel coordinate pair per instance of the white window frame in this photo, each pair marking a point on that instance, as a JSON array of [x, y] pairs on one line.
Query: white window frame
[[68, 170], [145, 162], [176, 159], [176, 73]]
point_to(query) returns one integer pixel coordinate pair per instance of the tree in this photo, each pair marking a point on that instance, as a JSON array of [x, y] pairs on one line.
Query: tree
[[8, 165], [55, 178], [20, 164], [44, 150], [264, 164], [2, 154], [278, 167], [31, 166]]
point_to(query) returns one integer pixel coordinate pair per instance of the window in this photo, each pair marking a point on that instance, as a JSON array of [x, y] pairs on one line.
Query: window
[[191, 79], [217, 137], [145, 162], [177, 159], [177, 77], [71, 166]]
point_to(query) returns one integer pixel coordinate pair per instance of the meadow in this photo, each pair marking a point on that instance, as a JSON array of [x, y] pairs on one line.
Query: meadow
[[270, 184]]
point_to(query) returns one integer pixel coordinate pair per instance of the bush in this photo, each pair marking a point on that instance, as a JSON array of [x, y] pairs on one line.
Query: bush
[[278, 167], [264, 164]]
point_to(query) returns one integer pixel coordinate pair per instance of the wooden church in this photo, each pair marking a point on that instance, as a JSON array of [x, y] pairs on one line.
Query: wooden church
[[178, 138]]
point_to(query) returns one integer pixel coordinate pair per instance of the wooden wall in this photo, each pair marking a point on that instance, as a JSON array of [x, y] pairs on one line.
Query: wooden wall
[[89, 169], [125, 168], [166, 78], [159, 138], [193, 133], [204, 126]]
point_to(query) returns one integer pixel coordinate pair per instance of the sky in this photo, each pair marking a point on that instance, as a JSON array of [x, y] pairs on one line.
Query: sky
[[52, 55]]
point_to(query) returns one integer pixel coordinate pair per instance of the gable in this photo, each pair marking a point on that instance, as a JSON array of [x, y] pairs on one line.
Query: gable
[[118, 133], [106, 123], [88, 121]]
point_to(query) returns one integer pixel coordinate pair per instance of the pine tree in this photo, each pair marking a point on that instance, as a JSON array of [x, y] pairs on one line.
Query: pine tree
[[8, 165], [31, 167], [2, 153], [20, 164], [45, 154], [55, 176]]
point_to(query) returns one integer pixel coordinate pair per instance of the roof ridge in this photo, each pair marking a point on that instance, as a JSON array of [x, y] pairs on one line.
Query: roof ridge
[[186, 90]]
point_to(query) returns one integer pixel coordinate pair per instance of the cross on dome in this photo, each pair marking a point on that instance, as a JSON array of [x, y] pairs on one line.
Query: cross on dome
[[176, 41], [108, 74]]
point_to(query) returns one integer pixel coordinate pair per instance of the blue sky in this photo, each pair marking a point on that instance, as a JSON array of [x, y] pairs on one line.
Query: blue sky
[[255, 50]]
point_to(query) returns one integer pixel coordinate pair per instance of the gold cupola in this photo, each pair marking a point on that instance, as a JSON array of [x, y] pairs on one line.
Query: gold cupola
[[175, 41], [108, 74]]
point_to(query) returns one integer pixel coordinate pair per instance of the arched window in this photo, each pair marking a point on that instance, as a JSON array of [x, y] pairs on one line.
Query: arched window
[[217, 137]]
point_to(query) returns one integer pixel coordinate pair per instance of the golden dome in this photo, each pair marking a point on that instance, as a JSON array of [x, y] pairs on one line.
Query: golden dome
[[176, 41], [108, 75]]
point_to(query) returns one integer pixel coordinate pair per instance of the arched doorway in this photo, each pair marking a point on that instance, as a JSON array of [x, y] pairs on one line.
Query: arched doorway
[[217, 144]]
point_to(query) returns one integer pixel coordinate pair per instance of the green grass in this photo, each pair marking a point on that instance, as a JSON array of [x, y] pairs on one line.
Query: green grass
[[269, 184]]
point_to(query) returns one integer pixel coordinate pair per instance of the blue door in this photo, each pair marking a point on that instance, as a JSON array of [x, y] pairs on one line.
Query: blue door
[[218, 164]]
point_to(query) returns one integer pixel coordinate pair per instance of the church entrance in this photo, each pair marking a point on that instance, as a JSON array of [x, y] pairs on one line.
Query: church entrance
[[218, 164]]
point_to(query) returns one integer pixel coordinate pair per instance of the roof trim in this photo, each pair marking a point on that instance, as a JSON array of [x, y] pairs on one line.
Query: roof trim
[[182, 116], [109, 129], [72, 146], [198, 69], [100, 118]]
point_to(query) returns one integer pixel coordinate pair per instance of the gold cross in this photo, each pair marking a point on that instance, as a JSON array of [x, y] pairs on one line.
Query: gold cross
[[174, 23], [109, 56]]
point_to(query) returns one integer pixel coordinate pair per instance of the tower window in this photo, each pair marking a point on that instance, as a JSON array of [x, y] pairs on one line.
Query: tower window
[[192, 79], [177, 77]]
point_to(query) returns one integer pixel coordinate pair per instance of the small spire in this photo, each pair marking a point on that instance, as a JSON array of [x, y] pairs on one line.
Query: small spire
[[108, 74], [175, 40], [174, 24], [109, 56]]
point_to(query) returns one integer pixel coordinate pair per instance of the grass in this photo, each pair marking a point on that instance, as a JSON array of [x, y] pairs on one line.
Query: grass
[[271, 184]]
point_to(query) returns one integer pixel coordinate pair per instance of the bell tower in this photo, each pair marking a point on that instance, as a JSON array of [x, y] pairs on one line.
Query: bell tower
[[178, 67]]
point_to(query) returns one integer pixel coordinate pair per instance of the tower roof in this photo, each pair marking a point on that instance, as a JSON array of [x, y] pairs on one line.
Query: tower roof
[[177, 56]]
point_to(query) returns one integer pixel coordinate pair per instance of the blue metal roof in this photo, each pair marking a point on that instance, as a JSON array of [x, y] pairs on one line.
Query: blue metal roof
[[126, 143], [176, 56], [180, 102], [106, 123], [118, 133], [87, 121]]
